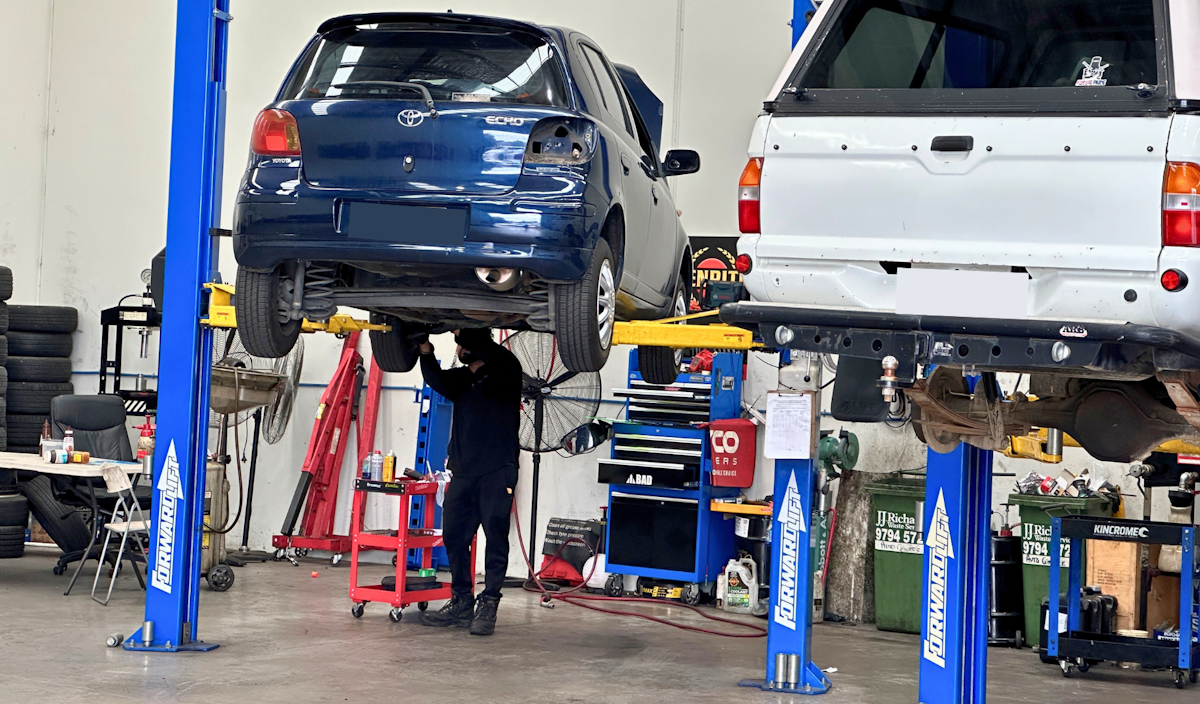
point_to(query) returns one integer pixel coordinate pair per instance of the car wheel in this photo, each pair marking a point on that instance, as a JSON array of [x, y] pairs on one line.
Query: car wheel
[[585, 312], [660, 365], [393, 350], [263, 302]]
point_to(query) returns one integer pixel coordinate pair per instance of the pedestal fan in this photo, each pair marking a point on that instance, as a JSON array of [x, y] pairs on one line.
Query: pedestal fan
[[554, 402]]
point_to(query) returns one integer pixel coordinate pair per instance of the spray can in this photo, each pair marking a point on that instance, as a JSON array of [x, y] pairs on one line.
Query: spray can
[[377, 465], [389, 467], [366, 468]]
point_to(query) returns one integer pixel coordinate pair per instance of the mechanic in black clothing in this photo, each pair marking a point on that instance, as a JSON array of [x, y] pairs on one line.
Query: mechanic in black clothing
[[483, 460]]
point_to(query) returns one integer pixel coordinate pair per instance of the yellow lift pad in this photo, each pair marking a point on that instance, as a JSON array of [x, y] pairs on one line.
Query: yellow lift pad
[[668, 333], [221, 315], [1031, 447]]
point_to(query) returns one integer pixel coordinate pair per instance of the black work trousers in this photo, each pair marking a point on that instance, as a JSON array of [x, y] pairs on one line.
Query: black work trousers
[[472, 502]]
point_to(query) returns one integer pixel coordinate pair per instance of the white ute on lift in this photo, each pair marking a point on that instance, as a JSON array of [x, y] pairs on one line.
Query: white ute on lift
[[967, 183]]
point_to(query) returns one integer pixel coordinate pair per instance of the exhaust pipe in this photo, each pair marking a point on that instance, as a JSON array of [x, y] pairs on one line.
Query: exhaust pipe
[[498, 279]]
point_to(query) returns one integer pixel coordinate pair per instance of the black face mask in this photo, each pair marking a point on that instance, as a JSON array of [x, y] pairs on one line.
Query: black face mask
[[467, 357]]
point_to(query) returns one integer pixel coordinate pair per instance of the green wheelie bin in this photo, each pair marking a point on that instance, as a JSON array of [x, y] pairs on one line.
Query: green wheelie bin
[[899, 552]]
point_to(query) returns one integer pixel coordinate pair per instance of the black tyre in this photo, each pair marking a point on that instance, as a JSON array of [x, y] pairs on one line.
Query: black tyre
[[53, 370], [12, 534], [660, 365], [220, 578], [3, 440], [63, 524], [14, 511], [260, 305], [40, 344], [43, 318], [6, 283], [394, 351], [584, 313], [34, 396], [3, 318], [25, 429], [3, 381], [3, 349]]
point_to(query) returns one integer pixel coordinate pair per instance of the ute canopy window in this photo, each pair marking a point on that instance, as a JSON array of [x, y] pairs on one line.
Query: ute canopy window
[[948, 46], [469, 64]]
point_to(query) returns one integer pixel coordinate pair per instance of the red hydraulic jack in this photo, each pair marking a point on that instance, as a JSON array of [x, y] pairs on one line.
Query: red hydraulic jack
[[317, 490]]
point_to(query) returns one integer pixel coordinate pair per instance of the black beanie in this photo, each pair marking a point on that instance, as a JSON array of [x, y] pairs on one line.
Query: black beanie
[[474, 339]]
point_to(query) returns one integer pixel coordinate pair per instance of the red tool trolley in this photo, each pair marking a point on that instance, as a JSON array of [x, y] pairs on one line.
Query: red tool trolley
[[400, 589]]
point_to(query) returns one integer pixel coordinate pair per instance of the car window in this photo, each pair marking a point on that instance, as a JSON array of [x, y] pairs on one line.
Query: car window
[[923, 44], [610, 91], [476, 64]]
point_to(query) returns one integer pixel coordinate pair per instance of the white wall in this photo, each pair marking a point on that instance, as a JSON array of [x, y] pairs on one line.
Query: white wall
[[84, 166]]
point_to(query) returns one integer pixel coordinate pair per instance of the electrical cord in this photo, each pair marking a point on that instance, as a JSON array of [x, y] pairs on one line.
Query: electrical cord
[[238, 460], [577, 599]]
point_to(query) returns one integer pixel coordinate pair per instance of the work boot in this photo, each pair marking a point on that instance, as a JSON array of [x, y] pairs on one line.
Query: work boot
[[456, 612], [484, 623]]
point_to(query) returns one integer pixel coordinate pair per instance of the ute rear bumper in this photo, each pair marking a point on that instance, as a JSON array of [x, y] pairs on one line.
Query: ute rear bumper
[[1062, 346]]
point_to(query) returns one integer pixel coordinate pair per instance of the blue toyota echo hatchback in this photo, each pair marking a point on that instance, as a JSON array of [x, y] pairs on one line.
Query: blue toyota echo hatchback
[[445, 171]]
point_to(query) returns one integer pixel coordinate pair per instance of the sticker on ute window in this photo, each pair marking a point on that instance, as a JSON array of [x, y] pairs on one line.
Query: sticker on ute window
[[471, 97], [1093, 73]]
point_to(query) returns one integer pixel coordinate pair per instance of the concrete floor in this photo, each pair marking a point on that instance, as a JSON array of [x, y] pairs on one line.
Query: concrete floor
[[286, 637]]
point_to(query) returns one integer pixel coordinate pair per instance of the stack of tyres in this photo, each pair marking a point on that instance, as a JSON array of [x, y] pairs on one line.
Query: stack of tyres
[[39, 368], [6, 290], [14, 519]]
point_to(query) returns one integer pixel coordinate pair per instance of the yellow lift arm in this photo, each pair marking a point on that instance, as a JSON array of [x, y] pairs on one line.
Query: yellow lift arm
[[667, 333], [221, 315]]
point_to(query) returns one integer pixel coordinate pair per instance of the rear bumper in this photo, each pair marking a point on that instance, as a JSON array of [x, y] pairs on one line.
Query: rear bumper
[[1116, 350]]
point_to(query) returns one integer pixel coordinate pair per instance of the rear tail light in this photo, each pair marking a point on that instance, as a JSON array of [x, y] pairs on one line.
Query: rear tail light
[[748, 221], [275, 134], [1181, 205], [1173, 280]]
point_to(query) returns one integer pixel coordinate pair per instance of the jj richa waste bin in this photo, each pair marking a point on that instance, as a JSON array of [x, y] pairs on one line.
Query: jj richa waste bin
[[899, 552], [1036, 512]]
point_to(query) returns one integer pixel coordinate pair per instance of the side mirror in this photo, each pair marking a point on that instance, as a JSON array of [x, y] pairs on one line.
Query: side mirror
[[586, 437], [681, 161]]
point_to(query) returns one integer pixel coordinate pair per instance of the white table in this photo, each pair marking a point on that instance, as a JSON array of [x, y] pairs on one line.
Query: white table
[[26, 462]]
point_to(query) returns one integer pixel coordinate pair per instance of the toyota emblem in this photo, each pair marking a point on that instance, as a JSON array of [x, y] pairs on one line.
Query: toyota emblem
[[410, 118]]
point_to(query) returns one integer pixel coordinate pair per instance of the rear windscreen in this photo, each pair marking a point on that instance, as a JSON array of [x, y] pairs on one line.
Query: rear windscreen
[[469, 64], [962, 44]]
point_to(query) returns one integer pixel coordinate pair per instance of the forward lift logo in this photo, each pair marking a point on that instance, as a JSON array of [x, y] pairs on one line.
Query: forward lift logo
[[170, 493], [939, 551], [791, 520]]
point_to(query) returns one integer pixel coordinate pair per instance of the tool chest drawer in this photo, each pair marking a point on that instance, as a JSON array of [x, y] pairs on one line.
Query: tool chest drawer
[[682, 403], [668, 475]]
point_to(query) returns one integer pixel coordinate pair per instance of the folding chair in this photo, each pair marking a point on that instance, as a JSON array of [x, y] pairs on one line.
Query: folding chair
[[124, 524]]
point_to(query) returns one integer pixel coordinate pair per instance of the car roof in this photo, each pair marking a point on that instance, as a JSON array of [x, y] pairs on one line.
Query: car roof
[[449, 18]]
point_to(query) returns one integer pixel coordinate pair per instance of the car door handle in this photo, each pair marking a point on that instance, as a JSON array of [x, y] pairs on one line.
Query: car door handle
[[625, 164], [964, 143], [654, 194]]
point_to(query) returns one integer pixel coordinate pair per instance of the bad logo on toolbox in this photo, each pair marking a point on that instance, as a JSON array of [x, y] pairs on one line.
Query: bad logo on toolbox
[[938, 552], [791, 523], [170, 493]]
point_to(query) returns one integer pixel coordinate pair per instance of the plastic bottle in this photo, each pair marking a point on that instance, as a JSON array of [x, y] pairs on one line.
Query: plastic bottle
[[377, 465], [366, 468], [68, 441]]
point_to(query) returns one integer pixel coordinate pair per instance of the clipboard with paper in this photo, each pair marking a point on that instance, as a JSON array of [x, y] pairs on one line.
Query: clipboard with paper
[[791, 420]]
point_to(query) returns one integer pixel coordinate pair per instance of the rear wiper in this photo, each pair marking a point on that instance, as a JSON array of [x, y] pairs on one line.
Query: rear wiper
[[433, 113]]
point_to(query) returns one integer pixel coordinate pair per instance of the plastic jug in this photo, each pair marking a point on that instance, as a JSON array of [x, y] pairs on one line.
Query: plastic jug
[[737, 588]]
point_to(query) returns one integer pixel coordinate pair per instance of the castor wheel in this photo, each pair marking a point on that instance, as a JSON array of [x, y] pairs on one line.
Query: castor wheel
[[114, 640], [301, 552], [220, 578], [60, 570], [280, 553], [357, 610], [333, 561], [1066, 667], [691, 594], [395, 615], [1180, 679], [614, 585], [1192, 676], [1083, 665], [423, 605]]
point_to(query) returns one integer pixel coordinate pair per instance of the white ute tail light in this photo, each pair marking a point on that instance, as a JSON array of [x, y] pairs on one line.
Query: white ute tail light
[[748, 221], [1181, 205]]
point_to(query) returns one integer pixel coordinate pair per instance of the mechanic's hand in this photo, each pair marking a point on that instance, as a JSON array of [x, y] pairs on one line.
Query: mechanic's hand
[[426, 347]]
